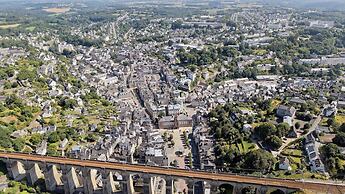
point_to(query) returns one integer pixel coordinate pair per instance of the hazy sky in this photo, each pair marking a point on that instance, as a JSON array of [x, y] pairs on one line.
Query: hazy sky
[[320, 4]]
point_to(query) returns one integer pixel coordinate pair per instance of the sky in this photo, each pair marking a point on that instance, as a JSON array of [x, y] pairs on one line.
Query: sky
[[319, 4]]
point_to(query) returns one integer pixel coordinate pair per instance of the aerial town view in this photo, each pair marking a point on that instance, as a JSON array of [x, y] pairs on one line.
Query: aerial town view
[[172, 96]]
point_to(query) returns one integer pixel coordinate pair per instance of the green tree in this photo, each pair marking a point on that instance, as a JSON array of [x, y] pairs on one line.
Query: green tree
[[53, 137], [331, 121], [18, 144], [52, 150], [36, 138], [282, 129], [5, 140], [3, 75], [67, 103], [13, 101], [259, 160], [330, 150], [248, 190], [91, 137], [26, 74], [342, 128], [274, 142], [297, 125], [306, 126], [264, 130], [339, 139]]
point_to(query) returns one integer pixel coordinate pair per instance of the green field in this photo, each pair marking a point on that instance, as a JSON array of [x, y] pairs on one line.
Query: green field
[[31, 28], [260, 52], [7, 26], [340, 119], [243, 147], [293, 152]]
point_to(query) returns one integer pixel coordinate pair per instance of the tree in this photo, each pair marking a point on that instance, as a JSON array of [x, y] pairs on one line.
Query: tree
[[264, 130], [18, 144], [331, 121], [2, 107], [91, 137], [277, 191], [306, 126], [53, 137], [259, 160], [274, 142], [177, 24], [342, 128], [248, 190], [3, 75], [339, 139], [282, 129], [36, 138], [13, 101], [230, 133], [5, 140], [297, 125], [67, 103], [170, 42], [330, 150], [52, 150], [26, 74], [68, 53]]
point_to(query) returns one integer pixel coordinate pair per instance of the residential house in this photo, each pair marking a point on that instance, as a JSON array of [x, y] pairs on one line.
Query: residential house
[[283, 111], [42, 148], [284, 164]]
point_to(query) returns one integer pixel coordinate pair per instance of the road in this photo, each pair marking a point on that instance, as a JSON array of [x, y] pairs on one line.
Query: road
[[312, 128], [181, 173]]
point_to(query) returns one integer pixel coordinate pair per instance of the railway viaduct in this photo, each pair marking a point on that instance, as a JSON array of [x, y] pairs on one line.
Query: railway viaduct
[[64, 175]]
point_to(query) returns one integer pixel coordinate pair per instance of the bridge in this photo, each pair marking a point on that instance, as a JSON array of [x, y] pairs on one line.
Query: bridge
[[67, 175]]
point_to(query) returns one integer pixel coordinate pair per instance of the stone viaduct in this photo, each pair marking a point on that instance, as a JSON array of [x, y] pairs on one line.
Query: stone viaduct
[[63, 175]]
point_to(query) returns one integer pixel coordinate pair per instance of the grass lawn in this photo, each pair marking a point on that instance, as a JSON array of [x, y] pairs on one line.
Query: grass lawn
[[340, 119], [294, 167], [245, 108], [243, 147], [8, 119], [276, 103], [260, 52], [324, 122], [295, 160], [305, 175], [31, 28], [234, 146], [256, 124], [240, 147], [247, 146], [7, 26], [342, 162], [292, 152], [57, 10]]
